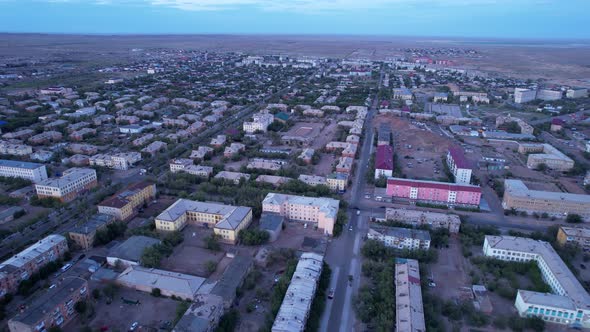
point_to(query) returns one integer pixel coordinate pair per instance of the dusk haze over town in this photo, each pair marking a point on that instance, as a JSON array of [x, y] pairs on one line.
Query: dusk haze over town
[[294, 165]]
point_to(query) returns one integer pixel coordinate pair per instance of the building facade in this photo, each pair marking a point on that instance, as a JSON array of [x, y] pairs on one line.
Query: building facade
[[67, 187], [320, 210], [19, 169], [459, 166], [434, 192], [53, 308], [384, 161], [546, 154], [558, 204], [575, 235], [83, 235], [125, 204], [24, 264], [400, 238], [227, 221], [416, 218], [568, 303]]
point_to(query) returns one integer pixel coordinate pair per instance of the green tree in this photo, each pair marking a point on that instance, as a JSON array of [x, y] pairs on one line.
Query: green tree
[[80, 307], [574, 218]]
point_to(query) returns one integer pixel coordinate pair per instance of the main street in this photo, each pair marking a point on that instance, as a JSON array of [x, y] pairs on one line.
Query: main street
[[343, 253]]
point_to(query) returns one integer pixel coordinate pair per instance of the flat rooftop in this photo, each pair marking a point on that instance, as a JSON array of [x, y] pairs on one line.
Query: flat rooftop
[[19, 164], [175, 282], [329, 206], [231, 216], [400, 232], [409, 310], [35, 250], [519, 189]]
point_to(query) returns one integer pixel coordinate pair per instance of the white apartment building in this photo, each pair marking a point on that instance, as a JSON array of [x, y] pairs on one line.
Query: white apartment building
[[459, 165], [320, 210], [452, 222], [409, 310], [15, 149], [296, 306], [549, 95], [24, 170], [400, 238], [567, 304], [313, 180], [524, 95], [120, 161], [178, 165], [66, 187], [260, 122], [577, 93]]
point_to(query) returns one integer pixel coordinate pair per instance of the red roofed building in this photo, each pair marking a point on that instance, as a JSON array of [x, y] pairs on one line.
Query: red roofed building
[[384, 161], [557, 124], [459, 165], [434, 192]]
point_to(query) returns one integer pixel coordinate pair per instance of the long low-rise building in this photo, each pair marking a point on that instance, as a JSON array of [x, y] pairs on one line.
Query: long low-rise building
[[24, 170], [56, 307], [547, 155], [15, 149], [125, 204], [558, 204], [296, 306], [400, 238], [169, 283], [227, 221], [434, 192], [409, 310], [320, 210], [24, 264], [416, 218], [67, 187], [568, 303]]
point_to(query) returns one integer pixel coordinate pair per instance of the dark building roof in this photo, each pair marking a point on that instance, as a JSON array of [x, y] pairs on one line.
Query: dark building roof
[[384, 157], [232, 277], [132, 248], [271, 221], [459, 157]]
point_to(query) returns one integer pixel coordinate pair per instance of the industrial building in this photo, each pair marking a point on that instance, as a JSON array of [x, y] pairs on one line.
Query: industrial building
[[169, 283]]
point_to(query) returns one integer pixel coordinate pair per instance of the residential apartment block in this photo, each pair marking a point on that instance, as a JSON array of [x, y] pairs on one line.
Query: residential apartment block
[[260, 122], [546, 154], [409, 310], [320, 210], [226, 220], [296, 306], [384, 161], [125, 204], [337, 181], [24, 170], [525, 128], [120, 161], [84, 234], [53, 308], [558, 204], [415, 218], [434, 192], [459, 166], [24, 264], [524, 95], [15, 149], [400, 238], [574, 235], [201, 152], [69, 185], [568, 303]]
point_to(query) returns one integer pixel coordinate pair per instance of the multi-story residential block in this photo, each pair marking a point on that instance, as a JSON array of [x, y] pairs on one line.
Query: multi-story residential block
[[525, 128], [312, 180], [403, 94], [226, 220], [400, 238], [296, 306], [53, 308], [549, 95], [546, 154], [459, 166], [82, 148], [143, 140], [235, 177], [154, 147], [199, 170], [307, 155], [265, 164], [218, 141], [575, 235], [337, 181], [577, 93], [233, 149], [409, 310], [79, 135], [69, 185], [344, 165], [125, 204], [201, 152], [434, 192], [558, 204], [24, 264], [84, 234], [416, 218], [203, 315], [15, 149], [179, 164], [120, 161], [260, 122], [524, 95], [24, 170], [46, 137], [21, 134], [320, 210], [384, 161], [175, 122], [568, 303]]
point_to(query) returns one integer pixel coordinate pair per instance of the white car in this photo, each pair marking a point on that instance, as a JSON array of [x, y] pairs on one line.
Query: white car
[[134, 326]]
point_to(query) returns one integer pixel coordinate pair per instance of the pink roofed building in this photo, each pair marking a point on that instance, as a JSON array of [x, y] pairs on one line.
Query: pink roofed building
[[384, 161], [434, 192]]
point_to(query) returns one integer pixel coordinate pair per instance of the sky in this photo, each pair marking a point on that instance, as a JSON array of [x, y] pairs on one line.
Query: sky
[[538, 19]]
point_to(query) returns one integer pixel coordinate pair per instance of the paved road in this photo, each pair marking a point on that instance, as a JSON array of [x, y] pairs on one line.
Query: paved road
[[343, 253]]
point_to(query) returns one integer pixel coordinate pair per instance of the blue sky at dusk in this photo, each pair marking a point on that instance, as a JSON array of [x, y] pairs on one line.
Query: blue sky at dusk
[[461, 18]]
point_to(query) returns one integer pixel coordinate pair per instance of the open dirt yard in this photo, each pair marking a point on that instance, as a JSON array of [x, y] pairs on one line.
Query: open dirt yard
[[418, 150], [294, 234], [325, 166]]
